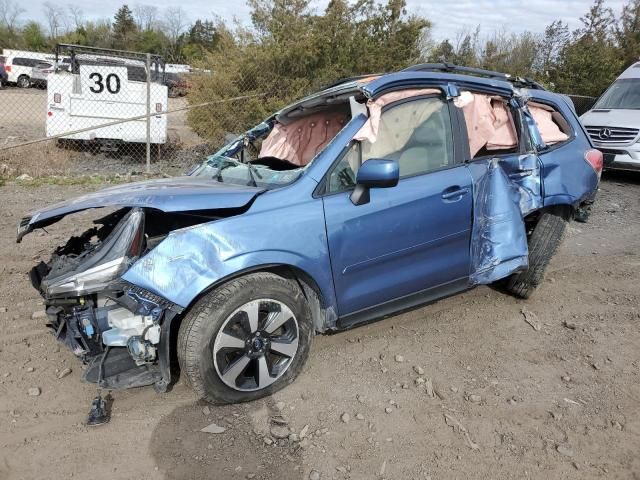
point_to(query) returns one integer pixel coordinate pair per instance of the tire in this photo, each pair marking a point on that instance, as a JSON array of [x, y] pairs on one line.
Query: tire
[[543, 244], [23, 81], [202, 359]]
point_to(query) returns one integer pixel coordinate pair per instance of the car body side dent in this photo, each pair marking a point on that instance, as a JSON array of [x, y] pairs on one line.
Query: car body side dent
[[567, 179], [286, 226], [283, 227]]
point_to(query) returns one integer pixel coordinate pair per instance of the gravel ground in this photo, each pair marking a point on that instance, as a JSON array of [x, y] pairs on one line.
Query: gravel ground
[[462, 388]]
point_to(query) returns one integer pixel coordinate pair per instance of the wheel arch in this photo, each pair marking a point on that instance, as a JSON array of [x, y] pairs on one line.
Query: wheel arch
[[564, 210], [323, 312]]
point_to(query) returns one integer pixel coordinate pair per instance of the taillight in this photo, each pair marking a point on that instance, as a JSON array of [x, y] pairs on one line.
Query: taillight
[[595, 159], [57, 98], [7, 68], [158, 107]]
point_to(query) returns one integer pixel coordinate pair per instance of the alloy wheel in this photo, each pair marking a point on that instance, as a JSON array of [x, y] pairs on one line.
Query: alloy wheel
[[256, 345]]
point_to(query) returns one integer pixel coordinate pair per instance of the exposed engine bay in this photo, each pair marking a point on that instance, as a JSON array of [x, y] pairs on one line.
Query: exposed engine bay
[[114, 327]]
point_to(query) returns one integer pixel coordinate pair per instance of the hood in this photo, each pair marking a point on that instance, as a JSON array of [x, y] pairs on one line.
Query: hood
[[611, 118], [180, 194]]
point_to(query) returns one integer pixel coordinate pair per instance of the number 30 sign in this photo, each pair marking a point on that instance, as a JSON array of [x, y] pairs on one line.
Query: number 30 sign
[[105, 82]]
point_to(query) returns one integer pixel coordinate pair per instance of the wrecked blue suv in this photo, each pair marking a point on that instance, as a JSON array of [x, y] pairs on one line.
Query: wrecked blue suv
[[374, 195]]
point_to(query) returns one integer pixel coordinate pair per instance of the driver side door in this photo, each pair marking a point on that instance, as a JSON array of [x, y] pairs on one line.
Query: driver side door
[[409, 243]]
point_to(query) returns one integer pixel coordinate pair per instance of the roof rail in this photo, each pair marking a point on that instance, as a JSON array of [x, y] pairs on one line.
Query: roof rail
[[71, 50], [451, 68], [349, 79]]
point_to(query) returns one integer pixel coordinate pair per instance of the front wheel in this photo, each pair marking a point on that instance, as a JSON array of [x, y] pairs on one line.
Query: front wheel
[[247, 339]]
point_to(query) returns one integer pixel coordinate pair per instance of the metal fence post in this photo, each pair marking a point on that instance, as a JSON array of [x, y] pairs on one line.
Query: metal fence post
[[148, 113]]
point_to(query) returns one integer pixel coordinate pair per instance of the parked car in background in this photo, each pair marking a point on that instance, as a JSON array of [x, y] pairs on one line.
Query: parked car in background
[[4, 77], [177, 84], [20, 69], [374, 195], [40, 73], [614, 122]]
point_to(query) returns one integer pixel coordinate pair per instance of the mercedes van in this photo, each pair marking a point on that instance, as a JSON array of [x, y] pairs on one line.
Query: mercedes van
[[614, 122]]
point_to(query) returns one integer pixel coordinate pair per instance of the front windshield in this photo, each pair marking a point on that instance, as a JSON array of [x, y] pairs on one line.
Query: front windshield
[[623, 94], [229, 170], [239, 163]]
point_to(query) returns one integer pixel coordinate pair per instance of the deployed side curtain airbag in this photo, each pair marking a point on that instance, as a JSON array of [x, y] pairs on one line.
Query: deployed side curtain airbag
[[369, 130], [548, 129], [301, 140], [488, 120]]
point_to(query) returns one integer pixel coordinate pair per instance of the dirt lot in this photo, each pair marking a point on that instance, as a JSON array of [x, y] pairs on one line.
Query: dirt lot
[[509, 401]]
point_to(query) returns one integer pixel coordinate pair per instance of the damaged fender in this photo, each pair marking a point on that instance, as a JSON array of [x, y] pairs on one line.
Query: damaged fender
[[190, 261]]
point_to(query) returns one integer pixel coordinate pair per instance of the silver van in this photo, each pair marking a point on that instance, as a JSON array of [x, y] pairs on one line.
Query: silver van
[[614, 122]]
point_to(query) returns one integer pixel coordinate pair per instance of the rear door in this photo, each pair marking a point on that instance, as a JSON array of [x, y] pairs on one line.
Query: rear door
[[410, 238]]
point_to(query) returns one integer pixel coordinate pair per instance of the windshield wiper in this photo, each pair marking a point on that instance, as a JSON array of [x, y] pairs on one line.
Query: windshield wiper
[[253, 171]]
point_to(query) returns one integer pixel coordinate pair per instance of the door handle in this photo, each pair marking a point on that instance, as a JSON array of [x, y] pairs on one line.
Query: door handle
[[454, 193]]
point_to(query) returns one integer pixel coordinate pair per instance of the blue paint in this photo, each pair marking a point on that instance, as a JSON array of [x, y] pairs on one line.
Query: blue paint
[[169, 195], [464, 222], [499, 240]]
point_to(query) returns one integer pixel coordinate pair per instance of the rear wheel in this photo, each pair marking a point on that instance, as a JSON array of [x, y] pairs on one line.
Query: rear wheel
[[543, 244], [23, 81], [246, 339]]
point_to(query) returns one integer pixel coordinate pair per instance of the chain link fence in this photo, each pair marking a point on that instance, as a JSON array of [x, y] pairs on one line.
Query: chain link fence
[[85, 111], [582, 103]]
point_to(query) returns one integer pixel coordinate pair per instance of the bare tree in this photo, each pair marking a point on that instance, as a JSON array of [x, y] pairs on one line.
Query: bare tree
[[176, 21], [9, 14], [76, 15], [56, 18], [146, 16]]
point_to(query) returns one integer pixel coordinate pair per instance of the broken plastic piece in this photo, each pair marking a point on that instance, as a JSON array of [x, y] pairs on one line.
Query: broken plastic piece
[[99, 413]]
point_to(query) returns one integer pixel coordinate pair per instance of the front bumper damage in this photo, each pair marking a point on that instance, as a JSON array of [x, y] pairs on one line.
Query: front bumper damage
[[120, 331], [123, 336]]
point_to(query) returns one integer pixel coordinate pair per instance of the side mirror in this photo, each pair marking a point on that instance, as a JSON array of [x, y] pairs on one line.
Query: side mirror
[[374, 173]]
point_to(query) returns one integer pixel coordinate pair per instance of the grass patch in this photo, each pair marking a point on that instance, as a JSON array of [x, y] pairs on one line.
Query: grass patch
[[79, 180]]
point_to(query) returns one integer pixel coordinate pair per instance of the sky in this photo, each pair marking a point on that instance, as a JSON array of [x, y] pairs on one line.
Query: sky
[[449, 17]]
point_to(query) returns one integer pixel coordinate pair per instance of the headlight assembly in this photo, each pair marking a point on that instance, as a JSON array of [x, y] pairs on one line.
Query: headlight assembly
[[107, 262]]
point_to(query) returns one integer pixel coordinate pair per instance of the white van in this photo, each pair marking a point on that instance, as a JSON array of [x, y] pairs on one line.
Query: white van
[[19, 65], [96, 90], [614, 122]]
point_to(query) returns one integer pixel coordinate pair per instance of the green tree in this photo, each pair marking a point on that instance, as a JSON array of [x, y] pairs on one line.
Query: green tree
[[201, 39], [628, 33], [590, 61], [124, 28], [34, 37], [152, 41], [291, 50]]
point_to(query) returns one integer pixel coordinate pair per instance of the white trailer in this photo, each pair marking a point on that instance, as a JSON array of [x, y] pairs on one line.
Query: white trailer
[[94, 92]]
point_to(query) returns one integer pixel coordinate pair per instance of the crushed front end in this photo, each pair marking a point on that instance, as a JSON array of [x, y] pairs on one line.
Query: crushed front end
[[119, 330]]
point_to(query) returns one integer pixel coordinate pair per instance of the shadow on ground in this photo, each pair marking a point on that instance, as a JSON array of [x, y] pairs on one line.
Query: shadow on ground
[[181, 450]]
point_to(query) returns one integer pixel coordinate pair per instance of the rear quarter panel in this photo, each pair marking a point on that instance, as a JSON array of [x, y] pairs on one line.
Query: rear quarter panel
[[567, 179]]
